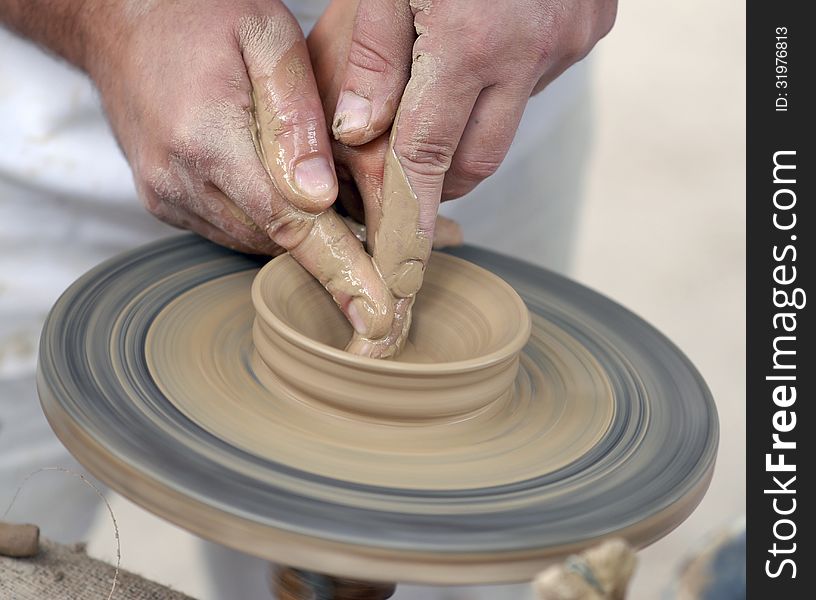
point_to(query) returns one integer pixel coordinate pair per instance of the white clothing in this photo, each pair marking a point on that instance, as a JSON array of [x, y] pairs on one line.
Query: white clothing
[[67, 202]]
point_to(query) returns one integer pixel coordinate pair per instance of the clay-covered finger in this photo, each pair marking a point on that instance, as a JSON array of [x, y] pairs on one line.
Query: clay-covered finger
[[390, 344], [290, 127], [336, 258], [324, 245], [423, 141], [377, 68], [321, 243], [363, 193]]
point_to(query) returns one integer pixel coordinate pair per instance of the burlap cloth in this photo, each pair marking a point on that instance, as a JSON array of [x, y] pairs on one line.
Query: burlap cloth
[[61, 572]]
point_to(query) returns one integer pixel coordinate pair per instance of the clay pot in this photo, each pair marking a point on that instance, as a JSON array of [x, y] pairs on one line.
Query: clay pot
[[462, 353]]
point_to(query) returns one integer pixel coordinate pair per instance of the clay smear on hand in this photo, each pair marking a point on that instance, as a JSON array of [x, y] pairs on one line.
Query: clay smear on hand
[[403, 235], [377, 296], [318, 239], [400, 253]]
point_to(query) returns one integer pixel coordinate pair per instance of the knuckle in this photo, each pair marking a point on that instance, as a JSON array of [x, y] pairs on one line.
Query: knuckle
[[295, 110], [607, 19], [160, 187], [475, 61], [467, 60], [290, 227], [563, 36], [155, 206], [476, 168], [544, 47], [364, 53], [482, 47], [425, 158], [581, 41], [191, 151], [547, 36], [456, 187], [163, 211], [156, 190], [291, 101], [538, 34]]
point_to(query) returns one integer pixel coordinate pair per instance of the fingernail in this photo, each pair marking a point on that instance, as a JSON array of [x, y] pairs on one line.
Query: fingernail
[[360, 314], [353, 112], [314, 176]]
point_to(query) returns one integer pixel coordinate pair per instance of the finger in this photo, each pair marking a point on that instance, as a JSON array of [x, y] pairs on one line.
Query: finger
[[176, 196], [377, 68], [486, 139], [328, 43], [290, 134], [423, 141], [365, 166], [388, 345], [337, 259], [360, 169], [447, 232], [321, 243], [580, 37]]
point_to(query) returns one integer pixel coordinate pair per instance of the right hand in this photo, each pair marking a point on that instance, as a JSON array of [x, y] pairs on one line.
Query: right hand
[[216, 108], [362, 172]]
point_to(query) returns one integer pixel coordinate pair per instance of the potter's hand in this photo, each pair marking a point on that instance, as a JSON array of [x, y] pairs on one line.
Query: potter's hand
[[461, 85], [361, 173], [360, 167], [216, 108]]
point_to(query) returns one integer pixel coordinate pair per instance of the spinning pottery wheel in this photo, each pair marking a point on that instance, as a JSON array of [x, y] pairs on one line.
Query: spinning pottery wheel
[[147, 373]]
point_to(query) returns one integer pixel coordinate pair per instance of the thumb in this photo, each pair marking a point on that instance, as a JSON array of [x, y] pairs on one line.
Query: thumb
[[290, 133], [377, 69]]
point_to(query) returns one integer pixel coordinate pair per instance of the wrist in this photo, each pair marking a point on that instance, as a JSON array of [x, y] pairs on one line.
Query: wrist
[[65, 27], [101, 31]]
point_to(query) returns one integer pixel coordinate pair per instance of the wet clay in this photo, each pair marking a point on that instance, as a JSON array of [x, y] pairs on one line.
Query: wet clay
[[439, 417], [293, 584], [399, 247], [400, 251], [387, 428], [149, 375], [461, 356]]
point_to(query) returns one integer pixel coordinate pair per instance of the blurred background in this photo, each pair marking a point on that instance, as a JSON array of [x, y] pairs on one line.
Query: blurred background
[[663, 228], [662, 232]]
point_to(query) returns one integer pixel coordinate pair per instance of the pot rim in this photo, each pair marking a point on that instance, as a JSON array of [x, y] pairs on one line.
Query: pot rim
[[508, 351]]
